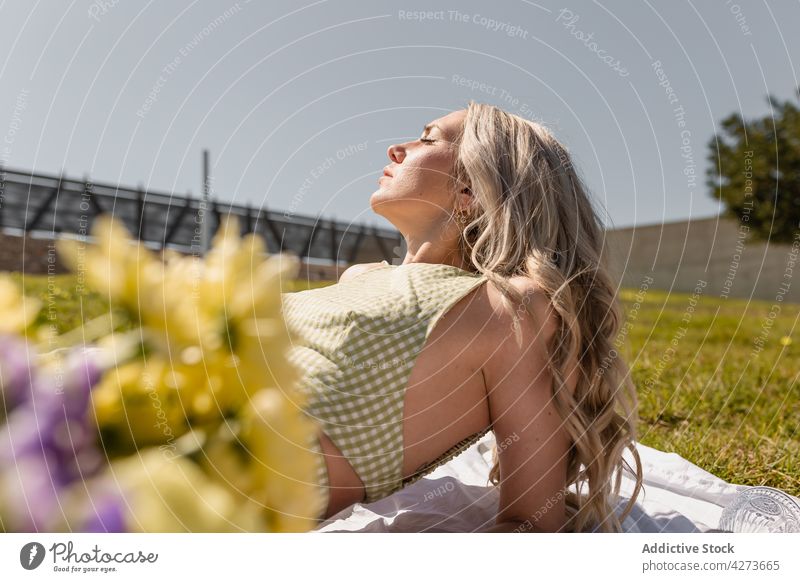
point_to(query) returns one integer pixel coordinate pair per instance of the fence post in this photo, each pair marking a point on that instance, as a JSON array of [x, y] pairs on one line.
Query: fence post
[[2, 191], [217, 222], [307, 246], [206, 195], [140, 234], [264, 213], [88, 189], [380, 242], [362, 230], [44, 206], [333, 241], [248, 218]]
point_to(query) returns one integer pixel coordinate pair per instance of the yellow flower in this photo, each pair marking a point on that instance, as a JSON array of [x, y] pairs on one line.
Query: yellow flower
[[18, 310], [135, 407], [166, 494], [225, 458], [241, 291], [786, 340], [278, 435], [129, 275]]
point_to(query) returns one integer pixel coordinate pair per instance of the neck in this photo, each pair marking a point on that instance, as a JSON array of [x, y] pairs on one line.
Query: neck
[[436, 244]]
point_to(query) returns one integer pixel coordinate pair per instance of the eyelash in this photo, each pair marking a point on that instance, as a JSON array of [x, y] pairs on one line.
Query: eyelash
[[426, 140]]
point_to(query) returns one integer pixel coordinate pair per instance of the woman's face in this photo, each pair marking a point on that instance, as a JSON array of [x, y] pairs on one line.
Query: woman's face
[[417, 191]]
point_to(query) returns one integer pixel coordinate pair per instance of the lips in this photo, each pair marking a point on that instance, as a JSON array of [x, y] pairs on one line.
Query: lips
[[386, 172]]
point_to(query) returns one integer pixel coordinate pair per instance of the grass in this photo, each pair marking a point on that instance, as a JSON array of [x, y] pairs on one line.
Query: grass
[[62, 306], [717, 378], [717, 381]]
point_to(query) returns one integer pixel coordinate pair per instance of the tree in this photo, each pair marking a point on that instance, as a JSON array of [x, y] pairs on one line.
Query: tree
[[755, 171]]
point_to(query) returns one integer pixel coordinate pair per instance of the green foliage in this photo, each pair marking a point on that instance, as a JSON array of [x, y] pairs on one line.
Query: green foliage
[[64, 305], [755, 170]]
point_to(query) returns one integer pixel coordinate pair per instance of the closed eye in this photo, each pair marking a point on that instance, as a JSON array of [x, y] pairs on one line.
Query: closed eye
[[426, 140]]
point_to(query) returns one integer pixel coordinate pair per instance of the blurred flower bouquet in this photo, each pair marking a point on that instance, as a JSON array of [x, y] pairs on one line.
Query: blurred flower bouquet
[[192, 421]]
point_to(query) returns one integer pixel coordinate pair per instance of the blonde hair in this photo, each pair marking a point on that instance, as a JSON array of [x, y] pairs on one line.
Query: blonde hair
[[532, 216]]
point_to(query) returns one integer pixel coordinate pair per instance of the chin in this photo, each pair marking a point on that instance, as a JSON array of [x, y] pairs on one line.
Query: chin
[[380, 210], [380, 198], [374, 201], [387, 208]]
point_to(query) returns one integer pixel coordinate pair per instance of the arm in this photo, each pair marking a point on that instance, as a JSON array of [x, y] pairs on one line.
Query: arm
[[532, 445]]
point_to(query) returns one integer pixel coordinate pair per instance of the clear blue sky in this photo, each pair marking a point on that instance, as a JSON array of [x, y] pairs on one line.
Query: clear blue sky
[[298, 101]]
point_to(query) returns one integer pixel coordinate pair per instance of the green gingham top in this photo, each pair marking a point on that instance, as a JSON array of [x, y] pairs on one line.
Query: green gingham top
[[356, 344]]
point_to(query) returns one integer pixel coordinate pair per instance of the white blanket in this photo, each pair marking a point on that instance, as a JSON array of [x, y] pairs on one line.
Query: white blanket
[[677, 497]]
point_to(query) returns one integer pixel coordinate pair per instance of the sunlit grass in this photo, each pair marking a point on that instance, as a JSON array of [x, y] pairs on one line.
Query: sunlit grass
[[718, 383]]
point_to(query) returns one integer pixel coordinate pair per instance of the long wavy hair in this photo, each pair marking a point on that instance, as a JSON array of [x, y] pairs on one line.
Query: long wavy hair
[[532, 216]]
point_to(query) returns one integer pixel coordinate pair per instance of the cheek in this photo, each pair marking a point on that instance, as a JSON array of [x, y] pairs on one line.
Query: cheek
[[427, 174]]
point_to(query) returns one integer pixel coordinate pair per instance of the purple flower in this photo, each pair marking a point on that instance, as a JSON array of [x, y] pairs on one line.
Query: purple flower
[[109, 516], [15, 372], [49, 439], [68, 389], [31, 496]]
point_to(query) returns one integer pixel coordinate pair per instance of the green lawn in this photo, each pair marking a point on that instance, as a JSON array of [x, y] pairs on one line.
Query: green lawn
[[706, 390]]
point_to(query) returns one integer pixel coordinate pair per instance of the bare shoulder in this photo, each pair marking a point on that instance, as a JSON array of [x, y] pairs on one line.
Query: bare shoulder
[[354, 270], [506, 332], [531, 314]]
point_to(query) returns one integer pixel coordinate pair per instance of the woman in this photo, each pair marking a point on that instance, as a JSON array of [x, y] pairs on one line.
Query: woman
[[502, 317]]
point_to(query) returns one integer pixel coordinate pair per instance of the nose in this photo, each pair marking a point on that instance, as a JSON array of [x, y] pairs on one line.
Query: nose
[[396, 153]]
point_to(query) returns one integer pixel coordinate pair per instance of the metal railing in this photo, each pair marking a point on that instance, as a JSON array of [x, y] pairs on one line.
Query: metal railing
[[51, 205]]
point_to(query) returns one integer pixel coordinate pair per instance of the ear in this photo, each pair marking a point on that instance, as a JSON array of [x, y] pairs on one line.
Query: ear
[[465, 199]]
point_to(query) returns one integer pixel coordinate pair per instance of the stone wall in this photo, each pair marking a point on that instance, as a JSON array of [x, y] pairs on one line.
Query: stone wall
[[716, 251], [35, 256]]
